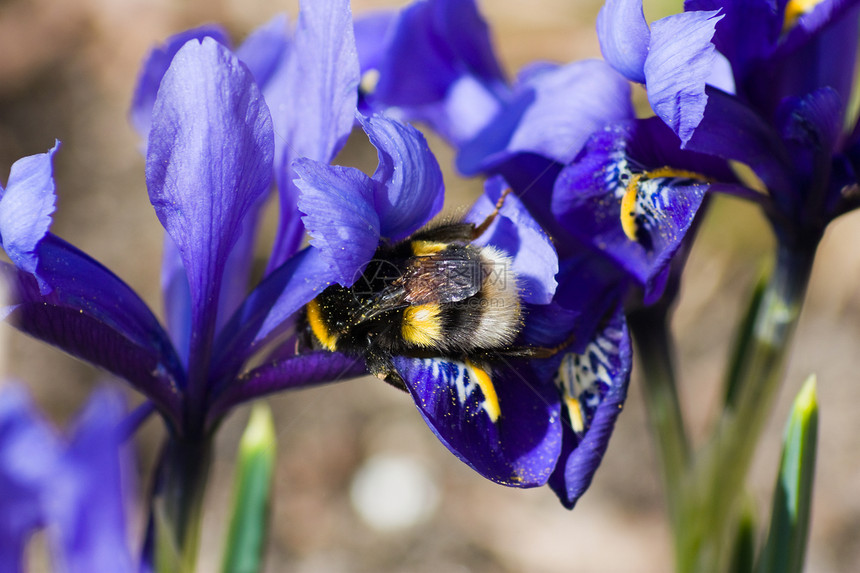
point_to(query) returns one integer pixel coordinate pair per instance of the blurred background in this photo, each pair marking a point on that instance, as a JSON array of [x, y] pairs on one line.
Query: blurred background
[[362, 485]]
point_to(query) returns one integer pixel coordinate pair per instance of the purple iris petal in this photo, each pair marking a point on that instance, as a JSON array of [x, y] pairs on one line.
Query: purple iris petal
[[264, 50], [209, 160], [588, 200], [805, 60], [338, 203], [409, 190], [517, 234], [85, 501], [269, 309], [552, 115], [29, 451], [602, 372], [93, 315], [73, 491], [25, 211], [288, 373], [624, 37], [153, 70], [748, 31], [177, 298], [505, 426], [731, 130], [679, 62], [313, 105], [371, 37]]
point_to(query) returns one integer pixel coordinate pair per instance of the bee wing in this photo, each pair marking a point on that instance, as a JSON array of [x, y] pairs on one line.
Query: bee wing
[[439, 279]]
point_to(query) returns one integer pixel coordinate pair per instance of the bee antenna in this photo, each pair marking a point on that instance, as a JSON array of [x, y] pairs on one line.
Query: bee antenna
[[482, 228]]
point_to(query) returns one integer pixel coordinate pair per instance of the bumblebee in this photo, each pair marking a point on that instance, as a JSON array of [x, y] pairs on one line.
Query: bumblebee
[[432, 295]]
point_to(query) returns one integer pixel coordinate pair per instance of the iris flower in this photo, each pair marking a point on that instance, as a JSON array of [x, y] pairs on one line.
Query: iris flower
[[69, 487], [761, 83], [566, 139]]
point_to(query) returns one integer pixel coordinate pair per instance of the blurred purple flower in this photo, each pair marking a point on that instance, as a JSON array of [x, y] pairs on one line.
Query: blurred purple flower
[[71, 488]]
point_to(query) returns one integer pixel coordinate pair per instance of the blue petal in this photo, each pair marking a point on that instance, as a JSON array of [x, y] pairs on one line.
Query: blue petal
[[517, 234], [288, 373], [25, 211], [679, 63], [624, 37], [593, 384], [92, 314], [153, 70], [29, 452], [371, 37], [338, 203], [85, 500], [732, 130], [504, 424], [177, 298], [589, 193], [269, 310], [313, 102], [265, 49], [409, 189], [209, 161]]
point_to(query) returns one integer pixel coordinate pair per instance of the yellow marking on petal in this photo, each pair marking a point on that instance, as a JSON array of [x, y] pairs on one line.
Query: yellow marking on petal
[[628, 207], [369, 80], [485, 383], [318, 326], [425, 248], [577, 422], [628, 201], [422, 325], [795, 9]]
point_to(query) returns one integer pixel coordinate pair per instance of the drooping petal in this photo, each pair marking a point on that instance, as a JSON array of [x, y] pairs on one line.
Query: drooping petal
[[269, 309], [297, 371], [153, 70], [593, 384], [313, 106], [679, 62], [209, 160], [85, 499], [636, 216], [93, 315], [25, 211], [410, 190], [553, 115], [502, 422], [339, 214], [624, 37], [29, 451], [533, 258]]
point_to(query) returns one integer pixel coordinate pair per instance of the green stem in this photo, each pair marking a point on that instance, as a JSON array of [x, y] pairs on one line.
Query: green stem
[[715, 488], [185, 467], [654, 356]]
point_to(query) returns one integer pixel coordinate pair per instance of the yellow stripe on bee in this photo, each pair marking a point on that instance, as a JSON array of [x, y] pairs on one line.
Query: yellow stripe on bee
[[425, 248], [318, 326], [422, 325], [795, 9], [485, 383]]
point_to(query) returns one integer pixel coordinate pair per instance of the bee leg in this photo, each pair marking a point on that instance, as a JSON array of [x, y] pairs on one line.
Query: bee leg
[[304, 336], [382, 368], [482, 228]]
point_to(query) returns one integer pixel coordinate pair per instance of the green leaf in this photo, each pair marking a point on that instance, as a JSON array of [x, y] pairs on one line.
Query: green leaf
[[251, 491], [743, 547], [792, 500]]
